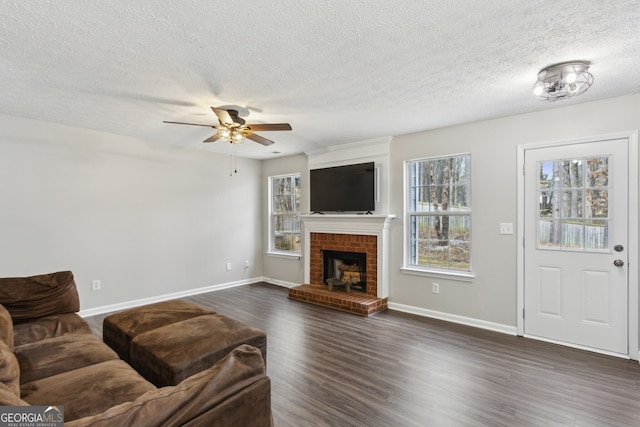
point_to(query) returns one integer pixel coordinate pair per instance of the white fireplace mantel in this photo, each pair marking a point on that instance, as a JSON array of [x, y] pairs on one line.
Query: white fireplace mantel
[[371, 225]]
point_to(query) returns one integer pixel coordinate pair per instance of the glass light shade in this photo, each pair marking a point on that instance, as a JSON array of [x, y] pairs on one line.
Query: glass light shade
[[538, 89], [234, 136], [562, 81]]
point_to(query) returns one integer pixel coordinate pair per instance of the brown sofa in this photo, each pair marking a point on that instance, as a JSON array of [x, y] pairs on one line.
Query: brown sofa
[[48, 356]]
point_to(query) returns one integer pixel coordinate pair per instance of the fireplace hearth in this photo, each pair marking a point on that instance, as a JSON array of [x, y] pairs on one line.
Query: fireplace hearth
[[340, 258], [363, 234]]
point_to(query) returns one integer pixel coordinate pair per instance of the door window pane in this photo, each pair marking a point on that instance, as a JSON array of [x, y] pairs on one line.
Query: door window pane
[[572, 171], [573, 200], [572, 204], [572, 234], [597, 203], [548, 234], [598, 172], [549, 174], [596, 234], [545, 201]]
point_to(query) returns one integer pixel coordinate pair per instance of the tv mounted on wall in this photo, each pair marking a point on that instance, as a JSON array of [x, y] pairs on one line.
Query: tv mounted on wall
[[349, 188]]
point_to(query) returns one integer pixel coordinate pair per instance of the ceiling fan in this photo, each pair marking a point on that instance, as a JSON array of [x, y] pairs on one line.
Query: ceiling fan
[[234, 129]]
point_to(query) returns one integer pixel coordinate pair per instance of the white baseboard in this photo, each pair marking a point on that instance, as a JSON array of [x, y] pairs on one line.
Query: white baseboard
[[282, 283], [468, 321], [144, 301]]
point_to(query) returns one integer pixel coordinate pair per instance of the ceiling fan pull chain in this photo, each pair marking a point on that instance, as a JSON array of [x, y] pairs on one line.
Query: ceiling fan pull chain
[[235, 159]]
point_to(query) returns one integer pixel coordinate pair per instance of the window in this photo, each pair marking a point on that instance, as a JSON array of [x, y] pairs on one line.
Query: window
[[284, 210], [573, 195], [438, 214]]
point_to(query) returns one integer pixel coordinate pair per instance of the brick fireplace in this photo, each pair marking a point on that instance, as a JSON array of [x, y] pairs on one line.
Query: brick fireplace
[[321, 242], [366, 234]]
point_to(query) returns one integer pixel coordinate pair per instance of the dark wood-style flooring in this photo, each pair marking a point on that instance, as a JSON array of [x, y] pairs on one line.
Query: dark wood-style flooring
[[330, 368]]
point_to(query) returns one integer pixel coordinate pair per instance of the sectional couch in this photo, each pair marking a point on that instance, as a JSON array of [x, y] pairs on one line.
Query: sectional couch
[[49, 356]]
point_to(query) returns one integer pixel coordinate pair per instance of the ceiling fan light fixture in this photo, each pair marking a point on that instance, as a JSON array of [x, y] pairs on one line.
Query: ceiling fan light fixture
[[233, 135], [562, 81], [235, 130]]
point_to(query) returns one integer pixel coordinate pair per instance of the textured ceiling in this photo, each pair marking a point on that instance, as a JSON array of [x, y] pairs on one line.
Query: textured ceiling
[[339, 71]]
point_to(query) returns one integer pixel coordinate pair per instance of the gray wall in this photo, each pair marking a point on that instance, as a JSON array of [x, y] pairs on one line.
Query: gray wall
[[286, 271], [149, 220], [144, 219], [491, 296]]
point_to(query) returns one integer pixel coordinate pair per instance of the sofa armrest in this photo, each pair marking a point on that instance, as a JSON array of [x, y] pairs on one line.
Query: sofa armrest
[[235, 391], [6, 327], [9, 398]]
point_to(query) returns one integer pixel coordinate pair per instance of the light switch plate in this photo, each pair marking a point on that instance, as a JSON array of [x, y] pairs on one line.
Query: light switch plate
[[506, 228]]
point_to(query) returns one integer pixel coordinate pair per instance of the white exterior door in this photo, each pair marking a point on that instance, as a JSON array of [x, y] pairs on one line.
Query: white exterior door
[[575, 244]]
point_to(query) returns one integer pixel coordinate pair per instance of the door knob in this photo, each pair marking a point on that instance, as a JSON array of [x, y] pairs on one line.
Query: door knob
[[618, 263]]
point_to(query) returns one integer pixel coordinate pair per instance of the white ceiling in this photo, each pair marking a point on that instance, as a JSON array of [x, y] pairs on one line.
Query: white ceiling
[[339, 71]]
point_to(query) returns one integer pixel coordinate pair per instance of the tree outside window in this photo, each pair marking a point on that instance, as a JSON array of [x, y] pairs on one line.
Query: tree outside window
[[439, 213], [285, 213], [573, 197]]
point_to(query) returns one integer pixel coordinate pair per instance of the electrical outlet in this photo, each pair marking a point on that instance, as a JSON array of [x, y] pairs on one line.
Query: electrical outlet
[[228, 266], [96, 285], [246, 264], [436, 288]]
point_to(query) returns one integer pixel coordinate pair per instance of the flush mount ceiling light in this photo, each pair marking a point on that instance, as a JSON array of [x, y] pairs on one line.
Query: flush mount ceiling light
[[562, 81]]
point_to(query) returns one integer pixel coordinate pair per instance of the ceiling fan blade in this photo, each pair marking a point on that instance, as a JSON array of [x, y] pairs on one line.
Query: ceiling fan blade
[[258, 139], [223, 115], [268, 127], [192, 124], [212, 138], [228, 116]]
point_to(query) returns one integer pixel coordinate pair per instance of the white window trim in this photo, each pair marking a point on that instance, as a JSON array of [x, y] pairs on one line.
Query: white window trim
[[462, 276], [282, 254], [414, 270], [271, 251]]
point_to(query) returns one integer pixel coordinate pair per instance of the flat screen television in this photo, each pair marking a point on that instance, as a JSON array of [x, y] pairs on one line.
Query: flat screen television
[[349, 188]]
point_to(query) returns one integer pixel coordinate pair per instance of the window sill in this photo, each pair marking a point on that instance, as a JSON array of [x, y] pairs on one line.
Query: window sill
[[462, 276], [286, 255]]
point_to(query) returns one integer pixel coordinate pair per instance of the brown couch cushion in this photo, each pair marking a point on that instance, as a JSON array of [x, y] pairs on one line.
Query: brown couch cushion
[[60, 354], [9, 369], [6, 327], [38, 296], [120, 328], [9, 398], [47, 327], [89, 390], [168, 355], [234, 392]]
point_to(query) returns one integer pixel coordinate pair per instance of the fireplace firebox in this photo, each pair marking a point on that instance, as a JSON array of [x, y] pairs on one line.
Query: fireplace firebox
[[345, 269]]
